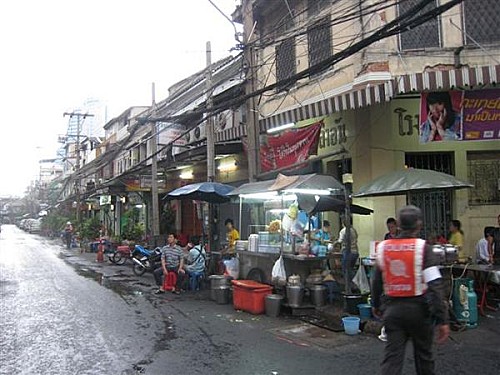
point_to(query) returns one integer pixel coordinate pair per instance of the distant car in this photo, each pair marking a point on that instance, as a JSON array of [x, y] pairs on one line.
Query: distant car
[[26, 224], [22, 224], [35, 226]]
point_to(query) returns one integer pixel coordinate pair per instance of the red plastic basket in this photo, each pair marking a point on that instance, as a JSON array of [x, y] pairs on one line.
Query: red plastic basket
[[250, 296]]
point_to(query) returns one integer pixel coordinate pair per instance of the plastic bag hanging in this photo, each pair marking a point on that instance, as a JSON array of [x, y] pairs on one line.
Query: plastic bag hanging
[[361, 280], [278, 273]]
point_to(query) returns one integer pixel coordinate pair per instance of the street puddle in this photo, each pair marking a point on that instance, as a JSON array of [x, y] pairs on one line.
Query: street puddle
[[306, 335], [107, 282]]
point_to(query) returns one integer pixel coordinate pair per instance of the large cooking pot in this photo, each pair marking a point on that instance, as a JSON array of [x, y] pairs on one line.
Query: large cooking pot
[[217, 281], [294, 294]]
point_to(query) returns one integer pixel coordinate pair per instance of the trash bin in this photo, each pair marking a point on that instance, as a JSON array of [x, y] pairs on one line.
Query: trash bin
[[215, 282], [222, 294]]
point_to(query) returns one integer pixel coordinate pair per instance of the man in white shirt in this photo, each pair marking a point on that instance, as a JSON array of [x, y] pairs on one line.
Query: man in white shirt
[[484, 253], [348, 259]]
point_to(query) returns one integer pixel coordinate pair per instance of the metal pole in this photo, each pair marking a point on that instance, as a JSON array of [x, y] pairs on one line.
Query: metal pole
[[252, 120], [155, 212], [77, 150], [210, 122], [77, 168], [210, 139], [348, 249], [241, 209]]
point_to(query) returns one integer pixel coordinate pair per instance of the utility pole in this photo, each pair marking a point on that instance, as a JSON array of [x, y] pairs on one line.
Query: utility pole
[[210, 139], [210, 122], [252, 119], [155, 214], [77, 150]]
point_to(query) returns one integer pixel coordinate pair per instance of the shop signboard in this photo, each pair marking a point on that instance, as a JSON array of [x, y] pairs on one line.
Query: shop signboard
[[289, 148], [170, 132], [104, 200], [481, 115], [144, 184]]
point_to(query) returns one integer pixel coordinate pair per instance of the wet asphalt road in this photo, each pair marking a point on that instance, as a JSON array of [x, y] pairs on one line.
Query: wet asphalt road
[[62, 313]]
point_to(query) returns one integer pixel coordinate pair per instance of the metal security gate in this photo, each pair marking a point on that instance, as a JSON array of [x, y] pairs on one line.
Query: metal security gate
[[435, 205]]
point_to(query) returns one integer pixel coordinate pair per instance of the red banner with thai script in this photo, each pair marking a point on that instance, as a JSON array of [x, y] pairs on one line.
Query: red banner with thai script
[[481, 115], [291, 147]]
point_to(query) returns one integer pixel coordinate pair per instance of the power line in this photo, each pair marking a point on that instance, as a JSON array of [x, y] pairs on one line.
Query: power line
[[408, 20]]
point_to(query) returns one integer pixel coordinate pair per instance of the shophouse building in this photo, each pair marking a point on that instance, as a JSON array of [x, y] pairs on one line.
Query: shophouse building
[[371, 103]]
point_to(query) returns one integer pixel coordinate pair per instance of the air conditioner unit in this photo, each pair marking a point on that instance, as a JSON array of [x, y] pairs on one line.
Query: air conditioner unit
[[197, 134]]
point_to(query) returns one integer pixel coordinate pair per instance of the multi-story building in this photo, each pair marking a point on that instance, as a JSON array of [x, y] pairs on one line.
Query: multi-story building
[[325, 62]]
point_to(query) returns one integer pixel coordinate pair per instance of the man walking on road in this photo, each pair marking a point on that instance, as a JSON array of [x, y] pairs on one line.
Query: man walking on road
[[68, 234], [408, 275]]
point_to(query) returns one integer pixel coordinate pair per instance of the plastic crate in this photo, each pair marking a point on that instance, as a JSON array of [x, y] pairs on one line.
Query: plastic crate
[[250, 296]]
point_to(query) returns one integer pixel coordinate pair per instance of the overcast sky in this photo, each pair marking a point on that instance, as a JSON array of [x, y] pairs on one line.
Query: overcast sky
[[56, 53]]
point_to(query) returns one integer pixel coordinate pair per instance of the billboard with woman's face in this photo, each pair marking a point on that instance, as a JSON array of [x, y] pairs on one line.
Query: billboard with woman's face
[[441, 116], [472, 115]]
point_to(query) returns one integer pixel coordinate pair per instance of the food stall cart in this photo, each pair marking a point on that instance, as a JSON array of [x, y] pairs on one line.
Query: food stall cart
[[279, 227]]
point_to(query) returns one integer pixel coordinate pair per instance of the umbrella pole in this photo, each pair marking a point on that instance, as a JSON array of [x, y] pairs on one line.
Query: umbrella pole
[[281, 225], [241, 209], [203, 224], [348, 242]]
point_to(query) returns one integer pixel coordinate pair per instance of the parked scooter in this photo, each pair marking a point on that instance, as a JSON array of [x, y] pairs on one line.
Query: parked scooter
[[148, 261]]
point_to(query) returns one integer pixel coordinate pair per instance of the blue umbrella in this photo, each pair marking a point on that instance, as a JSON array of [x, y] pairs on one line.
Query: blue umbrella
[[211, 192]]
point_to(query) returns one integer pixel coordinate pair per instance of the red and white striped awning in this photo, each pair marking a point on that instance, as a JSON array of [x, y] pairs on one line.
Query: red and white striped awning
[[233, 133], [463, 78], [350, 100]]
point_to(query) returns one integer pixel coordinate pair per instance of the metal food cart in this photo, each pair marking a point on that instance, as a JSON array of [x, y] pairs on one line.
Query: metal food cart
[[280, 225]]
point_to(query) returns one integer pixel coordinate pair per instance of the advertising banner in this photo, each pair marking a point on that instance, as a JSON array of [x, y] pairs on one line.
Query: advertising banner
[[460, 116], [440, 116], [481, 115], [291, 147], [143, 184], [167, 132]]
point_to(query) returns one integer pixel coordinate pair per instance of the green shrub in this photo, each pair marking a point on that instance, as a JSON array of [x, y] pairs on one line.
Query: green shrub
[[90, 228]]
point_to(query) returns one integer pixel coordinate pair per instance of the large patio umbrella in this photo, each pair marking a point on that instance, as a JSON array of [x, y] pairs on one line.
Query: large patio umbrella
[[410, 180], [210, 192], [313, 204], [292, 184]]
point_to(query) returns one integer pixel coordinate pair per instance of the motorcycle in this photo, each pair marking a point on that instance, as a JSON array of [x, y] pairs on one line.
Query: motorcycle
[[120, 255], [148, 261]]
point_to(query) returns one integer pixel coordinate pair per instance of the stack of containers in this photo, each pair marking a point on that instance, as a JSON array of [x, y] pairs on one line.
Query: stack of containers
[[250, 296]]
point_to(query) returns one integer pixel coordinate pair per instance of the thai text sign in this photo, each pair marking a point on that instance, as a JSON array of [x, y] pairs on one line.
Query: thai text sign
[[460, 115], [291, 147], [481, 115]]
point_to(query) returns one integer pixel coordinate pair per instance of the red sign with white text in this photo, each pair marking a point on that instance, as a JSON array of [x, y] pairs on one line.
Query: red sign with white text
[[291, 147]]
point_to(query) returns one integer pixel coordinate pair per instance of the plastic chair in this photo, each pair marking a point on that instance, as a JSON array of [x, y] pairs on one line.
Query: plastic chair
[[195, 279]]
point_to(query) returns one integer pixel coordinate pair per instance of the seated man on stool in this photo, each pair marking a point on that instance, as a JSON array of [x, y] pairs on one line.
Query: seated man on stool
[[196, 259], [172, 260]]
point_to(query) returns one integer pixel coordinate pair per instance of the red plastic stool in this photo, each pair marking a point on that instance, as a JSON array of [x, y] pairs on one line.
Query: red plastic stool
[[169, 281]]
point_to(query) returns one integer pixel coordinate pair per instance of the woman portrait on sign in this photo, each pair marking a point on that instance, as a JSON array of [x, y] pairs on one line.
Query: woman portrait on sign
[[442, 122]]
